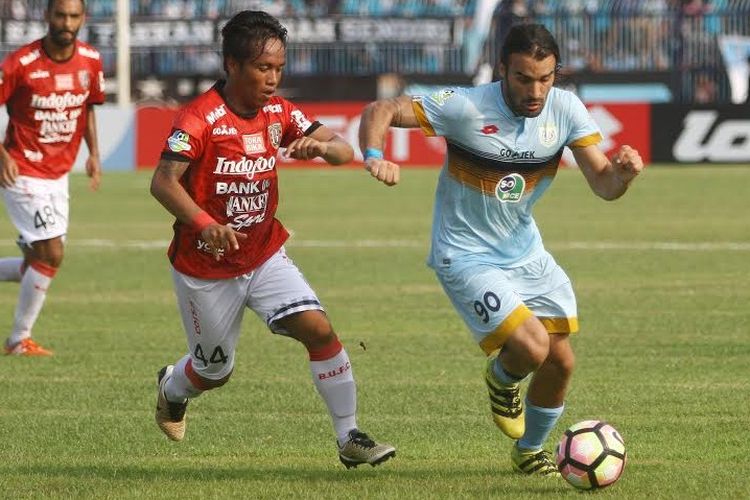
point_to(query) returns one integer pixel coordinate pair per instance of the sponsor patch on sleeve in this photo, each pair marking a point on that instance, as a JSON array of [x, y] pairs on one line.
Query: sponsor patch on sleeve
[[179, 141], [442, 96]]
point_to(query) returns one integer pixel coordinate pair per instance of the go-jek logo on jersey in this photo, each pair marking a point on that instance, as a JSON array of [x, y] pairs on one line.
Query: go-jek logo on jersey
[[510, 188], [245, 166], [179, 141]]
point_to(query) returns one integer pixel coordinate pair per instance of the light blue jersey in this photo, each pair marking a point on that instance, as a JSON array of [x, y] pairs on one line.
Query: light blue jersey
[[497, 166]]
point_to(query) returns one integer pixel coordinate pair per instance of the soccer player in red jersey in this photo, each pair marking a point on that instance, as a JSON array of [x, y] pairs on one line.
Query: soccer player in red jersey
[[217, 176], [49, 88]]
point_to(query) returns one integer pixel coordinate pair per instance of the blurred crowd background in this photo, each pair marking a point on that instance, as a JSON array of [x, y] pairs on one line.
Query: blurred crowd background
[[673, 43]]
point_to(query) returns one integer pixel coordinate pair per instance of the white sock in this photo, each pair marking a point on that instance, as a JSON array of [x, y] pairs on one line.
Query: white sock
[[334, 380], [178, 387], [34, 286], [10, 269]]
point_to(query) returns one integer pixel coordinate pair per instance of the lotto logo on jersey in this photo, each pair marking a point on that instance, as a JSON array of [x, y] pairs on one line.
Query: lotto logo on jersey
[[510, 188], [254, 144], [179, 141]]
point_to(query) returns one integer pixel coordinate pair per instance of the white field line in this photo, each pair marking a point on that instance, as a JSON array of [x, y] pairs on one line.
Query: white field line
[[735, 246]]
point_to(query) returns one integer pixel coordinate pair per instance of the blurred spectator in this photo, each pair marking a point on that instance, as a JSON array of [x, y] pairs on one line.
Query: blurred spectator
[[705, 89]]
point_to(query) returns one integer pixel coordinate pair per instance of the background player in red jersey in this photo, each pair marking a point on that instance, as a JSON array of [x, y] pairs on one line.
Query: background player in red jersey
[[217, 176], [49, 87]]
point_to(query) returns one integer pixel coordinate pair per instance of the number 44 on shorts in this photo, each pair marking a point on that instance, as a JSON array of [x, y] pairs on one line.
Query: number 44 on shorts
[[44, 217], [217, 356]]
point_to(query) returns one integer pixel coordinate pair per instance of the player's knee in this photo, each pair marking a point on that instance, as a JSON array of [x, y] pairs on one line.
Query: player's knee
[[206, 384], [319, 336], [312, 328], [564, 363], [534, 346]]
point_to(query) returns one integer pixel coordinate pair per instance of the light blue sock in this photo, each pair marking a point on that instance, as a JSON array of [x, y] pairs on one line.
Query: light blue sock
[[539, 423], [502, 375]]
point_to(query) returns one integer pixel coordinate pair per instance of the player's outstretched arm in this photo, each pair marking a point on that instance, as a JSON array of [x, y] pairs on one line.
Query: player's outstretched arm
[[166, 188], [609, 178], [377, 118], [323, 143]]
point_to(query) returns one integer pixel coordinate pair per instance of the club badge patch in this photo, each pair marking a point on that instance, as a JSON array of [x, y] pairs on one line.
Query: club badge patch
[[510, 188], [83, 79], [274, 135], [548, 134]]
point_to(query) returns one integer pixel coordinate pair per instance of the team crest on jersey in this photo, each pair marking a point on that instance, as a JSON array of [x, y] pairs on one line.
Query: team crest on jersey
[[274, 135], [548, 134], [254, 144], [441, 97], [64, 81], [510, 188], [179, 141], [83, 78]]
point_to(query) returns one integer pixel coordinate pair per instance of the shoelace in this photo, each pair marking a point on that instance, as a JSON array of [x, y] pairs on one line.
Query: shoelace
[[363, 440], [546, 459]]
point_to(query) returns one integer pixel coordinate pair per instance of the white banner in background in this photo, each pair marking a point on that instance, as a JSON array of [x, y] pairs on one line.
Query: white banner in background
[[735, 50]]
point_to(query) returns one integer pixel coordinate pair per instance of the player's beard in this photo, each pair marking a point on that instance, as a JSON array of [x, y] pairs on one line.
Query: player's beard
[[519, 106], [57, 37]]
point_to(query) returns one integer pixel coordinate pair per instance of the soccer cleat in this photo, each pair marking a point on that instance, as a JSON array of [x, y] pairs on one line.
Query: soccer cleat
[[360, 449], [505, 403], [533, 462], [170, 417], [26, 347]]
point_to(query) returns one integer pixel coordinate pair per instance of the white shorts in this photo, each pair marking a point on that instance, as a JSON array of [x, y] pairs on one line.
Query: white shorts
[[493, 301], [212, 310], [39, 208]]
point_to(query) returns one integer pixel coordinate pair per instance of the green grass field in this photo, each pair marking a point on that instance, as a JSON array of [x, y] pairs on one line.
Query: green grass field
[[663, 284]]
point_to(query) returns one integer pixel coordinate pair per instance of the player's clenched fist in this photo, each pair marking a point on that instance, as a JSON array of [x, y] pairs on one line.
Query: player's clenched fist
[[627, 163], [306, 148], [385, 171]]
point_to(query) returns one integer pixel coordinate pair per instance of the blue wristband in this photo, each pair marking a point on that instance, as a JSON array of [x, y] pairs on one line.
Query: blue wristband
[[373, 153]]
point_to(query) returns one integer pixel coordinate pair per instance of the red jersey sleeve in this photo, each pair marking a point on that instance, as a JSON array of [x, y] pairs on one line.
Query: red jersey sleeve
[[187, 138], [297, 124], [97, 88], [8, 79]]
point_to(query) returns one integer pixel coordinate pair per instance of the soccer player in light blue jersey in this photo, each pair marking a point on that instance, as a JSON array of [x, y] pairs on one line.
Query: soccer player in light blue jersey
[[504, 144]]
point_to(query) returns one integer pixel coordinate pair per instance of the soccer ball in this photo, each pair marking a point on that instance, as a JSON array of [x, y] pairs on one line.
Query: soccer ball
[[591, 455]]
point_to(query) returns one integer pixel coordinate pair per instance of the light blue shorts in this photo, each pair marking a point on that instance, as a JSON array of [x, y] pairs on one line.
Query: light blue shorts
[[493, 301]]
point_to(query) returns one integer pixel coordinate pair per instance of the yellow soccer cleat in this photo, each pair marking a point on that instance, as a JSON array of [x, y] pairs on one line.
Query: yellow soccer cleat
[[505, 403], [170, 417], [533, 462]]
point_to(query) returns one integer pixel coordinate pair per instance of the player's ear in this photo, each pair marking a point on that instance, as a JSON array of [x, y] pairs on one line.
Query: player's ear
[[231, 65]]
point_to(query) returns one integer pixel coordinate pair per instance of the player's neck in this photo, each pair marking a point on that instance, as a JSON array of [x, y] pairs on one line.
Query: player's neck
[[234, 103], [57, 53]]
